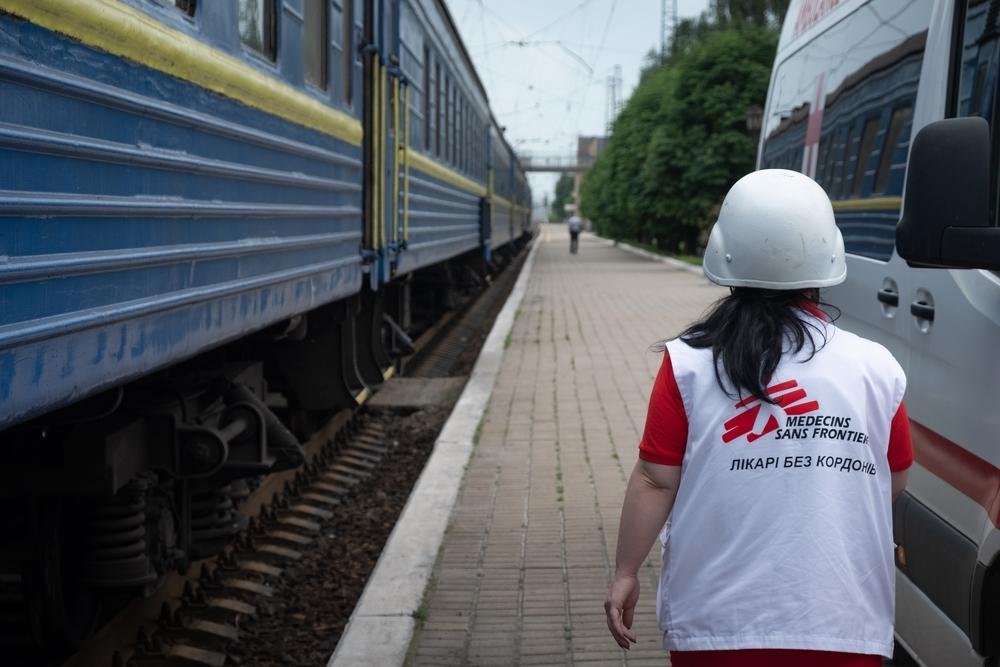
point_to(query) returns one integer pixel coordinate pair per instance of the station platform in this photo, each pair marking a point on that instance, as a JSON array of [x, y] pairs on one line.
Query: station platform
[[521, 575]]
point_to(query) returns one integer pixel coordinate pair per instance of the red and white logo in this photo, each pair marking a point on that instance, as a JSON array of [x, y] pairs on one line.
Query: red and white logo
[[810, 13], [787, 395]]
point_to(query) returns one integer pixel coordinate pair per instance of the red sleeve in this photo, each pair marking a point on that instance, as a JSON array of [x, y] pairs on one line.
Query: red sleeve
[[665, 436], [900, 445]]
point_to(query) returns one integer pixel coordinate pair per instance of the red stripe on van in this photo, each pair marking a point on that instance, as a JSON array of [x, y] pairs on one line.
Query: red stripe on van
[[974, 477]]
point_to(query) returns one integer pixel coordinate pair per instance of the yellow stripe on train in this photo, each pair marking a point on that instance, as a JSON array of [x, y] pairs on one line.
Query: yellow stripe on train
[[113, 26], [439, 171], [870, 204]]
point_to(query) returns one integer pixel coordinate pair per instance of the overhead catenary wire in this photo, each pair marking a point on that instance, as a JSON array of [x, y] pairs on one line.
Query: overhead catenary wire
[[600, 49], [561, 19], [567, 50]]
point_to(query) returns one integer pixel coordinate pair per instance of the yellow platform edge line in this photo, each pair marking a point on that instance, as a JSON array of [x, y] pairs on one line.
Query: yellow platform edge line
[[871, 204], [433, 168], [117, 28]]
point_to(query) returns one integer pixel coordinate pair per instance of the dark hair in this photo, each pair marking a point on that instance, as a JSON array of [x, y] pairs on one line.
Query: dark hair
[[750, 330]]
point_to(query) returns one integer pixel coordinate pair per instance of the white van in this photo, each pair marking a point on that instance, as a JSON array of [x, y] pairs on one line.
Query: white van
[[853, 83]]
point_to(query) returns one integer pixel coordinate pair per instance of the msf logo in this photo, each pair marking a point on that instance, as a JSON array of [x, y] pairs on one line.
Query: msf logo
[[787, 395]]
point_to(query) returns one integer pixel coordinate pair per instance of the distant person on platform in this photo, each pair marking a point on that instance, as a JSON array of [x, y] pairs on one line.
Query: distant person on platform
[[575, 224]]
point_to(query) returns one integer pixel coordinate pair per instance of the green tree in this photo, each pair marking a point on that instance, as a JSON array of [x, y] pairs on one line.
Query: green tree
[[564, 191], [681, 140]]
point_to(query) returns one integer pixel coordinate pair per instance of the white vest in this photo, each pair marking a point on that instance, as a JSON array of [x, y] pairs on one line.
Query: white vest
[[781, 532]]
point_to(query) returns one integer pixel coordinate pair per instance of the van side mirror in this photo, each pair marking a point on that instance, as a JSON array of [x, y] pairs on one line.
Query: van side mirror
[[946, 210]]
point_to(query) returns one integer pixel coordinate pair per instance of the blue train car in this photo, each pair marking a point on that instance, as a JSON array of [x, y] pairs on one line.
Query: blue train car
[[457, 158], [221, 219], [146, 216]]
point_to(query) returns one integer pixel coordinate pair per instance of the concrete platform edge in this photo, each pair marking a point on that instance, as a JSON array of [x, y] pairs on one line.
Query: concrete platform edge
[[670, 261], [381, 627]]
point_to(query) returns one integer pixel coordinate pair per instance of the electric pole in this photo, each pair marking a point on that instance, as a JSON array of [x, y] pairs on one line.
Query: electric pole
[[615, 98], [668, 24]]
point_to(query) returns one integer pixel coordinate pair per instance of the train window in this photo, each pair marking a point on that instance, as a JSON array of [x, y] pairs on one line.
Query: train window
[[437, 109], [186, 6], [460, 130], [453, 124], [900, 119], [427, 99], [864, 154], [315, 40], [348, 41], [447, 115], [412, 58], [258, 26]]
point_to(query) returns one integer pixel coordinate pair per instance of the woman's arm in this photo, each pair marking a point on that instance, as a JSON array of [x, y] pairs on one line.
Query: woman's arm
[[648, 501], [899, 482]]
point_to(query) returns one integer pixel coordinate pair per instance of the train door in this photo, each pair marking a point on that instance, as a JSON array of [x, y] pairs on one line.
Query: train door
[[486, 204], [381, 128], [373, 364]]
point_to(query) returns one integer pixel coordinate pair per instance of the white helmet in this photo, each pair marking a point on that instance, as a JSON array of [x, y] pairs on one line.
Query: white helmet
[[776, 230]]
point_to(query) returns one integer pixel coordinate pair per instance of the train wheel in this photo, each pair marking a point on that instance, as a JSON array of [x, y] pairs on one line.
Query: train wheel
[[60, 610]]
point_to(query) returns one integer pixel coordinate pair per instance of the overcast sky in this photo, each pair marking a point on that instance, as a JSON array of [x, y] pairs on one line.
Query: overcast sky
[[545, 63]]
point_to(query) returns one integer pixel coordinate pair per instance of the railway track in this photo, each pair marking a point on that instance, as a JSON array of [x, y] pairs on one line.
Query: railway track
[[200, 617]]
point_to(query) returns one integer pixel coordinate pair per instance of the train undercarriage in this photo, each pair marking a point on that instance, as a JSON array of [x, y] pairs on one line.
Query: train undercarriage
[[104, 499]]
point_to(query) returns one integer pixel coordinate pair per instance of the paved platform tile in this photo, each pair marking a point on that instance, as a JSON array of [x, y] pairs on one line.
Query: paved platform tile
[[531, 540]]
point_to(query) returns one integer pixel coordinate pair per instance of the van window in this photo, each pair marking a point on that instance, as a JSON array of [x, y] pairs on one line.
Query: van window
[[838, 91], [257, 23], [977, 75]]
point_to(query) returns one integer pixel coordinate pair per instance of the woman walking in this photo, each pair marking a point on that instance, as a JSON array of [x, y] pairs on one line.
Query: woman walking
[[775, 443]]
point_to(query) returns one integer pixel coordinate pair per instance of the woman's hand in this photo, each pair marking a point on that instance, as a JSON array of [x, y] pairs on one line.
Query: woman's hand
[[648, 501], [620, 608]]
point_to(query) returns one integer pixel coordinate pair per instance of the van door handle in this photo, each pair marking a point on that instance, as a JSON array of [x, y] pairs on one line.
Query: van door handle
[[888, 296], [923, 310]]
